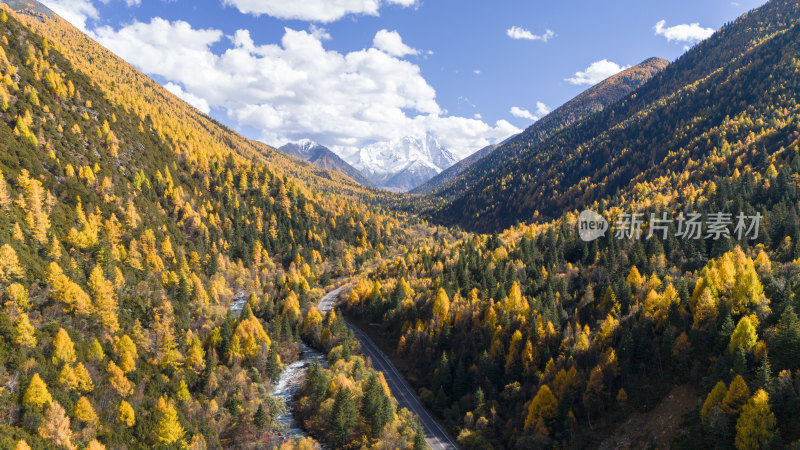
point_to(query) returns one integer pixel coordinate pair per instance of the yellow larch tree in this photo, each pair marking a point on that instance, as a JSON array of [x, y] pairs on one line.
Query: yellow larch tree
[[10, 270], [169, 429], [84, 412], [125, 414], [55, 426], [63, 348], [105, 302], [37, 394], [24, 332]]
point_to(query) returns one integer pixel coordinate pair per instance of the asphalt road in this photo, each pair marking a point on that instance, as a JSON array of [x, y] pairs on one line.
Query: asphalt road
[[435, 435]]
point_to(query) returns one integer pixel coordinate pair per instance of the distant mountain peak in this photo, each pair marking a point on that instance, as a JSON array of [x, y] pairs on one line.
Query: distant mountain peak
[[323, 157], [403, 163]]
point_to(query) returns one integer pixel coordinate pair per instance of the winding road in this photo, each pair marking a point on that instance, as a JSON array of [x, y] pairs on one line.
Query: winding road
[[435, 435]]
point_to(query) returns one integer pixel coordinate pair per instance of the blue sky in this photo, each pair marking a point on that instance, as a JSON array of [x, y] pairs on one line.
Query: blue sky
[[351, 72]]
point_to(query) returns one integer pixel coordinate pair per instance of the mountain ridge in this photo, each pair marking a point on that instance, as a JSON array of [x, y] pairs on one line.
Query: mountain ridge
[[324, 158], [459, 178], [402, 164], [613, 151]]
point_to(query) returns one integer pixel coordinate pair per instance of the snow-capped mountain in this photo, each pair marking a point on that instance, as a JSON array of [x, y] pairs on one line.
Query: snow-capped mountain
[[324, 158], [402, 164]]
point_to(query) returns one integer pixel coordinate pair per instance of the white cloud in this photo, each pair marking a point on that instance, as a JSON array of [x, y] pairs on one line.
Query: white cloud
[[319, 33], [522, 33], [297, 88], [541, 110], [193, 100], [516, 111], [683, 33], [76, 12], [313, 10], [476, 72], [391, 43], [596, 72]]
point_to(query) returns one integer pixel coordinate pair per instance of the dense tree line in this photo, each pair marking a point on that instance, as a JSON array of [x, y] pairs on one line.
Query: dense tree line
[[715, 109], [125, 235]]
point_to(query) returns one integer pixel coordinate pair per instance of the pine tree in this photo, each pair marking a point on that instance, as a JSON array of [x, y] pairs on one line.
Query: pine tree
[[260, 418], [755, 426], [763, 378], [374, 406], [274, 362], [595, 389], [344, 416], [786, 343], [609, 302], [419, 439]]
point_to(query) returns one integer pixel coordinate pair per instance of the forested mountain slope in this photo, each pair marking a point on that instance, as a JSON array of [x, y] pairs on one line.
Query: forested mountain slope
[[540, 339], [128, 224], [452, 182], [687, 115], [323, 158], [187, 129]]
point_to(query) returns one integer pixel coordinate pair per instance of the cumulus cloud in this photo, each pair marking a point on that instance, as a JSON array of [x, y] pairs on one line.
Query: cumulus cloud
[[521, 33], [516, 111], [683, 33], [391, 43], [297, 88], [541, 110], [313, 10], [596, 72], [76, 12], [193, 100]]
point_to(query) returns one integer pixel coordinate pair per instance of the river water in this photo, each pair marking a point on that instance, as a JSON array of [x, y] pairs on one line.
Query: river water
[[289, 383]]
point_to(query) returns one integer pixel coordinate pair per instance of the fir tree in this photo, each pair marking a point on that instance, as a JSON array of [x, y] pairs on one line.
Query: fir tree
[[344, 416]]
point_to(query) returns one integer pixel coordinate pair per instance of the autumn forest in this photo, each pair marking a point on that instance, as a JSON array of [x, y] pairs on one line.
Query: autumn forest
[[131, 224]]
